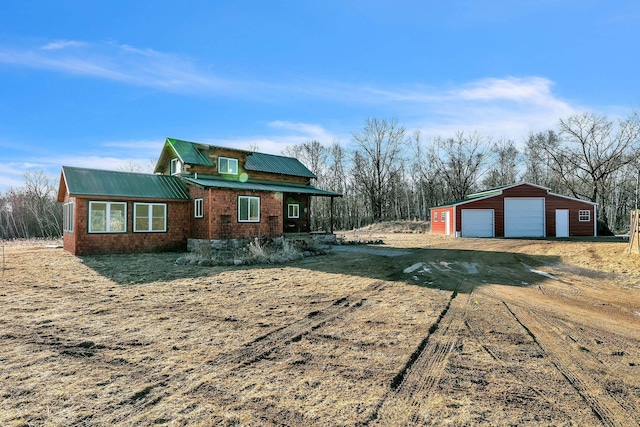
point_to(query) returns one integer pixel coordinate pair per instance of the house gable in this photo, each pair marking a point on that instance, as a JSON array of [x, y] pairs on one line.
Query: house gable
[[202, 159]]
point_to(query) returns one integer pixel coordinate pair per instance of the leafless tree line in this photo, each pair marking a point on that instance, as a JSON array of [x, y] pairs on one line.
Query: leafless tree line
[[31, 211], [393, 175]]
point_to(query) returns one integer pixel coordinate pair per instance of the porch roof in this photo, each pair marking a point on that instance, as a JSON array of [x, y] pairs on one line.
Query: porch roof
[[262, 186]]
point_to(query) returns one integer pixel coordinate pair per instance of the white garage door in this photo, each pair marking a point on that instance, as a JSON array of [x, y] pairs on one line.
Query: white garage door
[[524, 217], [477, 223]]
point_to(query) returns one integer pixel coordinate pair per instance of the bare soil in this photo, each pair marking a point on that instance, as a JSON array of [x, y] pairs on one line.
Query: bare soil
[[423, 330]]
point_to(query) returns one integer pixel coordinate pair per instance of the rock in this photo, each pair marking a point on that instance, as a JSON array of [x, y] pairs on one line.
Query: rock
[[181, 261], [237, 262]]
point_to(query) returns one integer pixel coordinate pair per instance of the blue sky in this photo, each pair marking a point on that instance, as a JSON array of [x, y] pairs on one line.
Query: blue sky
[[102, 83]]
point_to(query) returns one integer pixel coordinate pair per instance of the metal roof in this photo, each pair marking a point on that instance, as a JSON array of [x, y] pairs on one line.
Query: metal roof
[[96, 182], [260, 162], [188, 152], [498, 190], [262, 186]]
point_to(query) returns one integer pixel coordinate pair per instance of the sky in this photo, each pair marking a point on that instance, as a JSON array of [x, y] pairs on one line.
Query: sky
[[102, 83]]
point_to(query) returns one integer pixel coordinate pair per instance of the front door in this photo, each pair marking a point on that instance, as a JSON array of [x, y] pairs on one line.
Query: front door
[[562, 222], [447, 223], [296, 213]]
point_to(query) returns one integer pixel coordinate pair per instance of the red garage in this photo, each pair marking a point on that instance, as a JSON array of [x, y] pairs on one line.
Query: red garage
[[517, 210]]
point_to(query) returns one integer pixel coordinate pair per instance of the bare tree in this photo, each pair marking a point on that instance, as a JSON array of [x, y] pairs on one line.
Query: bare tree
[[31, 210], [504, 169], [138, 167], [537, 161], [460, 161], [593, 149], [378, 156]]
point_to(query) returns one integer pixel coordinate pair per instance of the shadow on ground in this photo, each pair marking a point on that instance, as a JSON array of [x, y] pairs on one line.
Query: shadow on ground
[[447, 269]]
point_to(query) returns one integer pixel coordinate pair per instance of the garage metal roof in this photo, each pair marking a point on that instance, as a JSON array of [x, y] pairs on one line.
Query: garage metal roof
[[96, 182], [497, 191]]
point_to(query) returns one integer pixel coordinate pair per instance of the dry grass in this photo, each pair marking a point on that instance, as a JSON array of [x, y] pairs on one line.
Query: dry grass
[[344, 339]]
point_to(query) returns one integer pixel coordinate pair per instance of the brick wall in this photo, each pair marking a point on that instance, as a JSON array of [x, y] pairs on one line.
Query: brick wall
[[200, 226], [222, 211], [81, 242]]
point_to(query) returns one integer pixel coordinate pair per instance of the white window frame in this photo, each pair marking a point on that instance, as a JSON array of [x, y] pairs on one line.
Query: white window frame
[[108, 218], [584, 215], [198, 207], [175, 166], [228, 161], [435, 217], [149, 229], [248, 199], [293, 210], [68, 214], [443, 216]]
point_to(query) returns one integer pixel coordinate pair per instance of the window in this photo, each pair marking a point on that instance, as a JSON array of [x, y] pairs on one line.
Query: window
[[67, 214], [435, 217], [442, 217], [107, 217], [584, 216], [198, 208], [293, 210], [176, 166], [149, 217], [248, 209], [227, 165]]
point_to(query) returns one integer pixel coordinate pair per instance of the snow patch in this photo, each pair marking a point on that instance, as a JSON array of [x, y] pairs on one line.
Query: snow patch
[[413, 267], [542, 273], [472, 267]]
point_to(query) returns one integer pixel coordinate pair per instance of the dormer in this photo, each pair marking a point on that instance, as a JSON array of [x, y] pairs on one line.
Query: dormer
[[227, 165]]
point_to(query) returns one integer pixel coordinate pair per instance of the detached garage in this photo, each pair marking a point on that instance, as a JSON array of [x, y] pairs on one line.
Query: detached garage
[[517, 210]]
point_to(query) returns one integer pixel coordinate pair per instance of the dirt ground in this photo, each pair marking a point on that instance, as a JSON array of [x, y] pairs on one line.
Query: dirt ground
[[422, 330]]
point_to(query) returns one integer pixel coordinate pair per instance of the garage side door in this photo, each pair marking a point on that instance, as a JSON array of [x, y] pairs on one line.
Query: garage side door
[[477, 223], [524, 217]]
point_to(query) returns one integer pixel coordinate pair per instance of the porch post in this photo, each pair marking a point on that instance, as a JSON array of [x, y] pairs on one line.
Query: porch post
[[331, 216]]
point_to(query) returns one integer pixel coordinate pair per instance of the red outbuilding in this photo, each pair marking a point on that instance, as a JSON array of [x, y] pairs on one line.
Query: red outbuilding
[[517, 210]]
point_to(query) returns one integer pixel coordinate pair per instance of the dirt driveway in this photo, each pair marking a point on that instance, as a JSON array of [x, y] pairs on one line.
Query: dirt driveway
[[420, 331]]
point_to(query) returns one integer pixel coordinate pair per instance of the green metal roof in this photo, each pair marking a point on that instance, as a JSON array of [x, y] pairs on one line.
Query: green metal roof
[[188, 152], [96, 182], [262, 186], [260, 162]]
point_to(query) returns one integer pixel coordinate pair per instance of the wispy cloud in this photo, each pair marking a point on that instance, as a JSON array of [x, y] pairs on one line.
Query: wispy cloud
[[62, 44], [121, 63]]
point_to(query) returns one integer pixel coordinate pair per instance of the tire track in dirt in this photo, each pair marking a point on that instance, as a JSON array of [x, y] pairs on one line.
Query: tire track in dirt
[[411, 387], [571, 366], [264, 345]]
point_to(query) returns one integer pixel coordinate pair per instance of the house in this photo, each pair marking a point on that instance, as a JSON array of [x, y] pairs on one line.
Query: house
[[199, 191], [517, 210]]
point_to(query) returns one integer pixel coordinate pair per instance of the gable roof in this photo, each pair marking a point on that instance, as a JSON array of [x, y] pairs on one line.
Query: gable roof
[[188, 152], [192, 153], [254, 185], [260, 162], [104, 183], [498, 191]]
